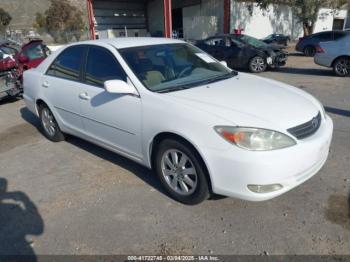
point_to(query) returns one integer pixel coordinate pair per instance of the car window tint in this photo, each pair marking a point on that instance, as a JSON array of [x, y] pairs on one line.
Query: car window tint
[[67, 64], [102, 66], [35, 51], [326, 36]]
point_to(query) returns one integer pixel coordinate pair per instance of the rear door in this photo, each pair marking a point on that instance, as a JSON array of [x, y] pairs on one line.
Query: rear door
[[62, 83], [112, 119]]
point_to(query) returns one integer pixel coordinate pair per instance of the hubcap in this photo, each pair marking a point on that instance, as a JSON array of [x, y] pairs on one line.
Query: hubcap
[[179, 172], [258, 64], [343, 67], [48, 122]]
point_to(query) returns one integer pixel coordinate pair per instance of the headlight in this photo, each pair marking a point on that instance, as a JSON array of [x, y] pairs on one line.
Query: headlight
[[255, 139], [269, 60]]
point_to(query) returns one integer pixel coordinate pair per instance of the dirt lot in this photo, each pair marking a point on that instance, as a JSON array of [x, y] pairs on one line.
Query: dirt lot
[[81, 199]]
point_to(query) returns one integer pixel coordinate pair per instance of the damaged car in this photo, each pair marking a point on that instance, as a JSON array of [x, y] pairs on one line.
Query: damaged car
[[244, 52]]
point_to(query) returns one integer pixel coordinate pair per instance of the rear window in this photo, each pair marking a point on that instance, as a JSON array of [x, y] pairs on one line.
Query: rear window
[[339, 35], [325, 36], [67, 65]]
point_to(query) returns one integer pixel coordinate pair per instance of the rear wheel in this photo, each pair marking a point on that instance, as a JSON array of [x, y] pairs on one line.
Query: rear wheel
[[257, 64], [310, 51], [341, 67], [181, 172], [49, 125]]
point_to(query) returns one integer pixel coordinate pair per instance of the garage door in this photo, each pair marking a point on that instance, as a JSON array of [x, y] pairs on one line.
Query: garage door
[[114, 14]]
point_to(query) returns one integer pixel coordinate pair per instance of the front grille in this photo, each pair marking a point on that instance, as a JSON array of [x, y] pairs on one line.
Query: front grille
[[307, 129]]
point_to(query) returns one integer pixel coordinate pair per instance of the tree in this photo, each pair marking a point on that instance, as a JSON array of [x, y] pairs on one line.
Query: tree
[[62, 21], [306, 11], [5, 19]]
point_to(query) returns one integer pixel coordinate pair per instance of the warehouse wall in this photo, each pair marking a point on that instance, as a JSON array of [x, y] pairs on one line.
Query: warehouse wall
[[326, 17], [277, 19], [203, 19], [155, 13]]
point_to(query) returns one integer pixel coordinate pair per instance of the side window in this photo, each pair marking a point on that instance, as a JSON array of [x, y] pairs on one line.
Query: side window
[[101, 66], [67, 64], [35, 51]]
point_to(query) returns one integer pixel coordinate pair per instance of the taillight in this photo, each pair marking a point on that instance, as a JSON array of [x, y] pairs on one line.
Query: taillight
[[319, 50]]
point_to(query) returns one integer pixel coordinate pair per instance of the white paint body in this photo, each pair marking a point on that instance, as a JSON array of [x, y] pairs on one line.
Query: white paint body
[[132, 121]]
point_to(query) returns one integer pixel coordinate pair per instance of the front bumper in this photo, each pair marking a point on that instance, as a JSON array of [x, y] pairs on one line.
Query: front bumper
[[232, 171], [279, 60]]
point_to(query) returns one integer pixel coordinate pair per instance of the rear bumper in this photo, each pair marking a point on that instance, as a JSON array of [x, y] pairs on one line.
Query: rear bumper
[[232, 171], [323, 60]]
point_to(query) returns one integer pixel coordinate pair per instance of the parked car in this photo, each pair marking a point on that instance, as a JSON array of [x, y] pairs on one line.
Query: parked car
[[169, 106], [31, 54], [244, 52], [335, 54], [14, 63], [308, 44], [279, 39]]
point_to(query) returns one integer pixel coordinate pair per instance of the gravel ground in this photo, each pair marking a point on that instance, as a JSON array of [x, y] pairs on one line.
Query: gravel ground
[[76, 198]]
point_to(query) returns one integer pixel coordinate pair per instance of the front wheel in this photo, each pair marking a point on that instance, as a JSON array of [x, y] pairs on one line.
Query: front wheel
[[181, 172], [341, 67], [49, 125], [257, 64]]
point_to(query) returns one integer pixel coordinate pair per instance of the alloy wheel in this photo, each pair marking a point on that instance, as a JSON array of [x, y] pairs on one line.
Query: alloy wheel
[[342, 67], [179, 172], [48, 122], [258, 64]]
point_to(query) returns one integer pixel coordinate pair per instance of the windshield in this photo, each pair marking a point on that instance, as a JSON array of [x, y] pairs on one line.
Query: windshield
[[252, 41], [171, 67]]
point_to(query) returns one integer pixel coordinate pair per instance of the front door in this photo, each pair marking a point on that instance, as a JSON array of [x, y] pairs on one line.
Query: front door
[[112, 119]]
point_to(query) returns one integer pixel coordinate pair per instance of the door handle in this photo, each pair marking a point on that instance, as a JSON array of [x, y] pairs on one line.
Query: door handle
[[45, 84], [84, 96]]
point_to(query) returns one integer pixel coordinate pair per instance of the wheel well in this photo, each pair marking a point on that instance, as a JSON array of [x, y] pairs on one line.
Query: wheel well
[[344, 56], [167, 135]]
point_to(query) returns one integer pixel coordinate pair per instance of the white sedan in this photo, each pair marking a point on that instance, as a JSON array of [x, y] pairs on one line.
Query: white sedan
[[169, 106]]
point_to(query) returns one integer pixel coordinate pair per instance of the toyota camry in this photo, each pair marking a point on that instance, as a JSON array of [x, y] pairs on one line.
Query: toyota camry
[[202, 127]]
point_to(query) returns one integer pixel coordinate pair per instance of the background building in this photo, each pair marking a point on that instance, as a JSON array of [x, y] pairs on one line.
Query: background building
[[198, 19]]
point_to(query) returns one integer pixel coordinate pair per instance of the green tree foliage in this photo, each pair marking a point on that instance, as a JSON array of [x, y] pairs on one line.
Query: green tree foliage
[[62, 21], [306, 11], [5, 19]]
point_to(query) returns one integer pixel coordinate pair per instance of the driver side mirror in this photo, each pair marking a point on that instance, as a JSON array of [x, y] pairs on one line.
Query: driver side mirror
[[119, 87], [23, 59]]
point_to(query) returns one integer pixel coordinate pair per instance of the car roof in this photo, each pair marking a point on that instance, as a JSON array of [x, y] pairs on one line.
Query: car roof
[[125, 42]]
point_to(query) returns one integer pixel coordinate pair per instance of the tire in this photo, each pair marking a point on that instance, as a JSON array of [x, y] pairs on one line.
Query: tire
[[310, 51], [341, 67], [49, 125], [257, 64], [175, 178]]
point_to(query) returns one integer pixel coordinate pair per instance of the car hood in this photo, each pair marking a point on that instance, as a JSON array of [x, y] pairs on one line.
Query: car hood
[[247, 100]]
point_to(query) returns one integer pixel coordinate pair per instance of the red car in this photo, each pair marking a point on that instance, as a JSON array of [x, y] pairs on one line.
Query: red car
[[31, 55]]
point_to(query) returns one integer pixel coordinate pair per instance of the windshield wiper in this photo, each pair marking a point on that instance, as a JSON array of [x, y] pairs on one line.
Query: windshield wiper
[[218, 78], [187, 86], [173, 89]]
